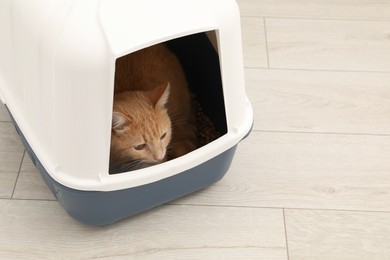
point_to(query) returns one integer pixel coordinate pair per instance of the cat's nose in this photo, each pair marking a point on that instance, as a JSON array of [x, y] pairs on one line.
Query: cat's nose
[[159, 156]]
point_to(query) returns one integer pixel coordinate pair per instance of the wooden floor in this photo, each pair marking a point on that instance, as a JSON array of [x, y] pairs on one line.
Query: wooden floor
[[311, 182]]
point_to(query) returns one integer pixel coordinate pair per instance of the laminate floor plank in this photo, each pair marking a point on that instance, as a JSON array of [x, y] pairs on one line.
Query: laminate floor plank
[[4, 116], [316, 234], [11, 154], [325, 9], [254, 42], [320, 101], [42, 230], [328, 44]]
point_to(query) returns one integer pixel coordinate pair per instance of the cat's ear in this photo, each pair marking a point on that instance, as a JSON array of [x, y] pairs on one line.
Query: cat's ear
[[159, 95], [118, 122]]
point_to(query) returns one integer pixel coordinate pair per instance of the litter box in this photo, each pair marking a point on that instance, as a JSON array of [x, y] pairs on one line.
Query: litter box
[[57, 70]]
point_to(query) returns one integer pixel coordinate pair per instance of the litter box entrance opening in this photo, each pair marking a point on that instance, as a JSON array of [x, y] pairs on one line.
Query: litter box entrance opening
[[199, 58]]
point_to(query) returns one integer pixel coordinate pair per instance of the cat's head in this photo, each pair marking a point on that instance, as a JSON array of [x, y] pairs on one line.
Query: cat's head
[[141, 127]]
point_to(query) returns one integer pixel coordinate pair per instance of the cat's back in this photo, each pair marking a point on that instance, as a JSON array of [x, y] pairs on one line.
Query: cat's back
[[148, 68]]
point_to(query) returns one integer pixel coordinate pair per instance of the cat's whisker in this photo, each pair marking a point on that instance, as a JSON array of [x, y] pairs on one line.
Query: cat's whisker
[[120, 167]]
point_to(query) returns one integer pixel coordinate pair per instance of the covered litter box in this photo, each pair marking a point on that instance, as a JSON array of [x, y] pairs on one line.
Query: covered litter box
[[57, 70]]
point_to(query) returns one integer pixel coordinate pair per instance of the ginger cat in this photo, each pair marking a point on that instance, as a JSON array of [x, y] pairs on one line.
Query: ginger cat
[[153, 120]]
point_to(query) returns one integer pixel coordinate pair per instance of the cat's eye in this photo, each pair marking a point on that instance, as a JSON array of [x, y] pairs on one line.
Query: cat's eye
[[140, 147], [163, 136]]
